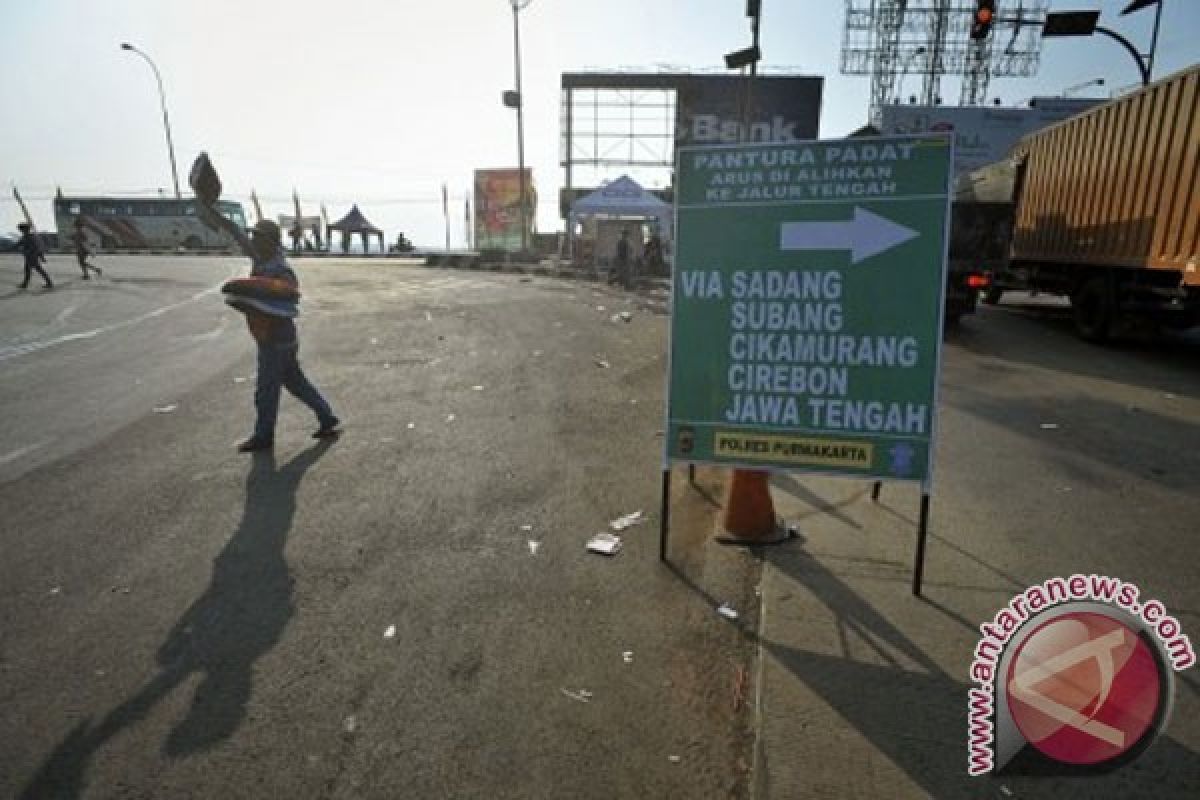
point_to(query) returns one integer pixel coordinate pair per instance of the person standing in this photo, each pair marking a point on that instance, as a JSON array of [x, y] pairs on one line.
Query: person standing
[[624, 261], [278, 347], [79, 239], [31, 248]]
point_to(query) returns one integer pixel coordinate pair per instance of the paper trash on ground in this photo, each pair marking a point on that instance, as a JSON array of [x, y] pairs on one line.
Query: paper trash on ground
[[583, 695], [605, 544], [165, 409], [727, 611], [627, 521]]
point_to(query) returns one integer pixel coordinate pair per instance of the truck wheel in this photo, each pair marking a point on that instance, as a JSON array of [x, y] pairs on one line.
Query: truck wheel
[[992, 295], [193, 243], [1093, 311]]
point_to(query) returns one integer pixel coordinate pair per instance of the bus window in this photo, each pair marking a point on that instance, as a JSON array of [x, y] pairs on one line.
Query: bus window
[[74, 209]]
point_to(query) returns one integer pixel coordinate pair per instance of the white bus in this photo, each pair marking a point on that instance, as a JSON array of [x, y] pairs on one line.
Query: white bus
[[140, 223]]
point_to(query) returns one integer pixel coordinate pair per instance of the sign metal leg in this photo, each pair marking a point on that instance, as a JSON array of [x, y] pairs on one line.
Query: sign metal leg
[[664, 515], [875, 490], [922, 534]]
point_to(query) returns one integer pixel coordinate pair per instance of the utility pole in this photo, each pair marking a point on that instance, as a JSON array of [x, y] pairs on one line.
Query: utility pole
[[517, 5]]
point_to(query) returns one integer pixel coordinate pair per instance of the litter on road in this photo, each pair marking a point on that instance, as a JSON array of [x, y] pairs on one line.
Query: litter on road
[[350, 724], [477, 388], [1049, 426], [583, 695], [727, 611], [239, 380], [527, 527], [674, 759], [450, 418], [390, 633], [627, 521], [627, 656], [533, 546], [605, 544], [412, 425], [165, 409], [602, 364]]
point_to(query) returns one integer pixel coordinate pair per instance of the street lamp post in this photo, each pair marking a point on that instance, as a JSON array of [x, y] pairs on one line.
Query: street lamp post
[[162, 97], [517, 6], [1083, 23]]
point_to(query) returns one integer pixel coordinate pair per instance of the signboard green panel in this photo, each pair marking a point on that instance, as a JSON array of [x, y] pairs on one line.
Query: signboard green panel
[[807, 305]]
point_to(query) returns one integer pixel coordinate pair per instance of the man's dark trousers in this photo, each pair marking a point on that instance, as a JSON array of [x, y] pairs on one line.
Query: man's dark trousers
[[278, 369]]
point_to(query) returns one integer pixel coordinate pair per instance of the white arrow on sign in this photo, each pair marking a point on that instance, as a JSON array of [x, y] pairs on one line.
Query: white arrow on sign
[[864, 236]]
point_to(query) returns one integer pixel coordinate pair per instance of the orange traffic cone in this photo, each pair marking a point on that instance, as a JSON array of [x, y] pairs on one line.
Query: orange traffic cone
[[749, 513]]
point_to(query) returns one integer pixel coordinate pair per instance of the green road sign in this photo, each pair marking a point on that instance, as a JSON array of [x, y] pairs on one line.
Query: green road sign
[[807, 305]]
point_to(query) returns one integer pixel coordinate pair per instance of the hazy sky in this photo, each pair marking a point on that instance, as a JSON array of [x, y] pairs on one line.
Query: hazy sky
[[381, 101]]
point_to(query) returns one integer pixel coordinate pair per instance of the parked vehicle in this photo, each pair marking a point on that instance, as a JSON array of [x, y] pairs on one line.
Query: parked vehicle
[[1106, 209], [140, 223]]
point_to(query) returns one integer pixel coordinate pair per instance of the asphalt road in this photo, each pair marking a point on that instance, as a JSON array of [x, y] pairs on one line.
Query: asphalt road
[[369, 617]]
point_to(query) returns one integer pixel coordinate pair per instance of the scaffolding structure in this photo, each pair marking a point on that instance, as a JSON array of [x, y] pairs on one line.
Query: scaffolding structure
[[889, 39]]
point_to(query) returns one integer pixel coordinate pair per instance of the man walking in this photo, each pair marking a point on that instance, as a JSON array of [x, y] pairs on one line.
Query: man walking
[[34, 257], [278, 348], [79, 239]]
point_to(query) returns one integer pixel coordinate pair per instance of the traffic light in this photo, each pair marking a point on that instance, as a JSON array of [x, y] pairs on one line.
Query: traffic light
[[985, 15]]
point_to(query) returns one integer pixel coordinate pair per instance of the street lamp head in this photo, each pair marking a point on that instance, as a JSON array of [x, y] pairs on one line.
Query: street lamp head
[[520, 4], [126, 46]]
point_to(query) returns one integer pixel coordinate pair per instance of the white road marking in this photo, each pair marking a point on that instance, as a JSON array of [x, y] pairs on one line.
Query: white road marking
[[14, 351], [8, 458]]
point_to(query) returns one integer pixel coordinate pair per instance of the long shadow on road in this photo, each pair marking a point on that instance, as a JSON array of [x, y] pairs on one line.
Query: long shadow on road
[[915, 715], [239, 618]]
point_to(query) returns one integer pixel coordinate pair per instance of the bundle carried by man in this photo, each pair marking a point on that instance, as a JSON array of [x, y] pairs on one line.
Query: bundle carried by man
[[272, 289]]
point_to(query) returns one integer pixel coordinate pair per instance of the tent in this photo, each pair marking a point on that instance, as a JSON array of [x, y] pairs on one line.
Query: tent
[[623, 198], [354, 222]]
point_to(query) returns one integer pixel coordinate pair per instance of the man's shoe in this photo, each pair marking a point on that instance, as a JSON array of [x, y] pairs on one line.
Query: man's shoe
[[328, 429], [87, 277], [22, 285], [48, 286], [255, 443]]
